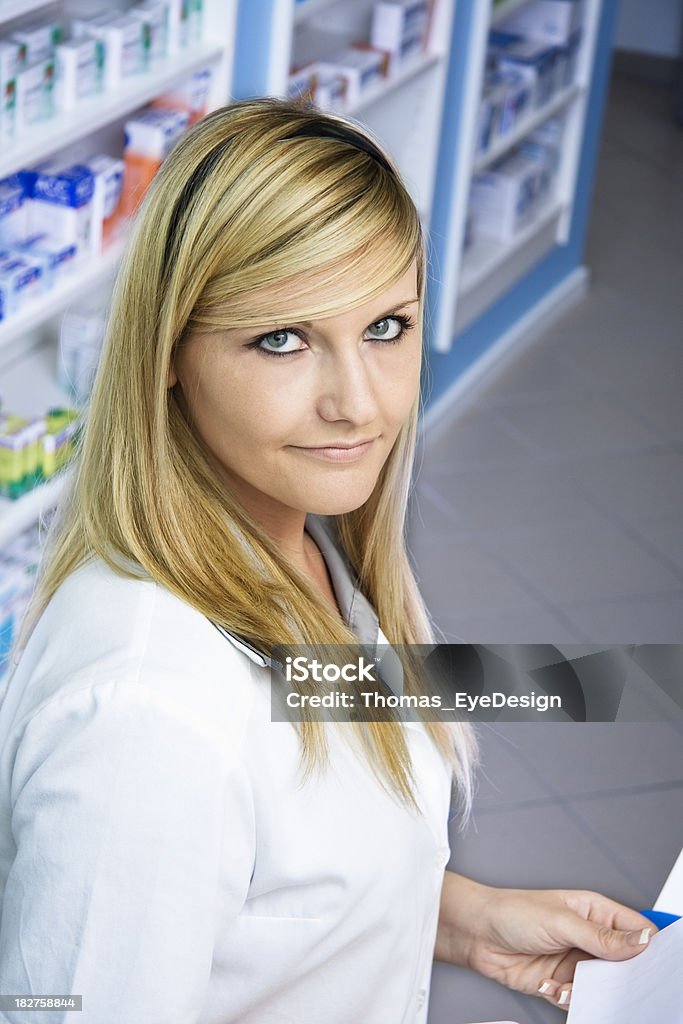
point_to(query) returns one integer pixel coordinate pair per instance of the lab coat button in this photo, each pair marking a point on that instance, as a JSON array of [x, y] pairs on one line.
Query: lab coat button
[[421, 996]]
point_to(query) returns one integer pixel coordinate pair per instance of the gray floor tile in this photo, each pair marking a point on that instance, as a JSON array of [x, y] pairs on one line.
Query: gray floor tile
[[656, 620], [522, 624], [595, 757], [652, 856], [666, 536], [544, 849], [484, 499], [457, 578], [639, 486], [581, 424], [582, 560]]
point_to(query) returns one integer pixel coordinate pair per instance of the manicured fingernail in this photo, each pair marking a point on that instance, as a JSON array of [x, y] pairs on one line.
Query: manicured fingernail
[[639, 938], [564, 997], [544, 987]]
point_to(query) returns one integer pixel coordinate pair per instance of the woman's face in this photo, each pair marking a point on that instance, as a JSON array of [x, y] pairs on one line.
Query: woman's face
[[277, 405]]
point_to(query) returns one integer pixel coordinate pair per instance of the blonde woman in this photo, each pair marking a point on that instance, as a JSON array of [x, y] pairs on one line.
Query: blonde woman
[[167, 851]]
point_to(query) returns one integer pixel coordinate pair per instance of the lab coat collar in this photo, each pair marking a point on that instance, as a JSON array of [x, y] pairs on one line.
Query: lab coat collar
[[357, 611]]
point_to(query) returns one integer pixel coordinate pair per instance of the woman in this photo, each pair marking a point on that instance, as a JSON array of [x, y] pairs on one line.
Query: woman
[[167, 851]]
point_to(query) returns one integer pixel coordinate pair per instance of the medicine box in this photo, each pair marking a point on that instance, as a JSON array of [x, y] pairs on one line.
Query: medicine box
[[400, 26], [106, 212], [192, 96], [55, 260], [39, 40], [60, 204], [149, 138], [554, 21], [21, 460], [123, 38], [80, 344], [536, 60], [154, 17], [361, 66], [314, 83], [503, 199], [58, 441], [35, 93], [19, 280], [80, 71], [13, 211], [179, 24], [196, 26], [12, 58]]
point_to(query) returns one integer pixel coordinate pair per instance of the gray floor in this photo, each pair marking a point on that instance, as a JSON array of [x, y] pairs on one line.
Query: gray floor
[[551, 512]]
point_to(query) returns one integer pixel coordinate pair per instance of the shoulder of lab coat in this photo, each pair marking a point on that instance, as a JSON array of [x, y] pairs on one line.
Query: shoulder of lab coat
[[117, 717]]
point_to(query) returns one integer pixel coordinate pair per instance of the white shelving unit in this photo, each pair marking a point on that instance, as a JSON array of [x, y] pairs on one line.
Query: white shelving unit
[[28, 341], [404, 111], [474, 279]]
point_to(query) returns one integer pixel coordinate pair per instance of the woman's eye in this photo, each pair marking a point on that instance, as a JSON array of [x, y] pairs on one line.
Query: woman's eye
[[277, 342], [388, 329]]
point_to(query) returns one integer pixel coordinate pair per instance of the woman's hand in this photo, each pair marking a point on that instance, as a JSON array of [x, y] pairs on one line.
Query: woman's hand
[[532, 939]]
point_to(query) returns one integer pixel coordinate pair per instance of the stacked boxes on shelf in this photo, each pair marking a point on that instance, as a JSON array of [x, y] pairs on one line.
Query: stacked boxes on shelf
[[56, 215], [34, 450], [508, 195], [51, 217], [530, 60], [399, 31], [19, 561], [50, 66]]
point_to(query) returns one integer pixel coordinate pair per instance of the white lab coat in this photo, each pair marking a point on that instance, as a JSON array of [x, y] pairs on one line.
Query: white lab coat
[[159, 854]]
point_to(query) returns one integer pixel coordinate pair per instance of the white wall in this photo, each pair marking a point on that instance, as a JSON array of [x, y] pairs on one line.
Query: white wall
[[650, 26]]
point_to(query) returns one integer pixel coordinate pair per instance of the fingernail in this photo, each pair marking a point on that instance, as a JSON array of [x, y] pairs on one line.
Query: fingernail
[[639, 938], [564, 997], [544, 987]]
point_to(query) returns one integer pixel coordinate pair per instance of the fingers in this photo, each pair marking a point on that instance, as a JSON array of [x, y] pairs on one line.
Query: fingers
[[557, 993], [605, 911]]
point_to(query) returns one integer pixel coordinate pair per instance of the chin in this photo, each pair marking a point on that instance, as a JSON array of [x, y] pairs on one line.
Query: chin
[[337, 506]]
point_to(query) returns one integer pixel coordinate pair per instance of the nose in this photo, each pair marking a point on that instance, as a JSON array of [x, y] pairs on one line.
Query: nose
[[348, 388]]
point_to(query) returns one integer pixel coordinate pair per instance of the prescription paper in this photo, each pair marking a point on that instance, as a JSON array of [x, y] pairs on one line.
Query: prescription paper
[[648, 989], [670, 899]]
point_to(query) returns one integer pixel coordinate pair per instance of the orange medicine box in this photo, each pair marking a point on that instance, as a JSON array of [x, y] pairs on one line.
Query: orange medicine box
[[150, 137]]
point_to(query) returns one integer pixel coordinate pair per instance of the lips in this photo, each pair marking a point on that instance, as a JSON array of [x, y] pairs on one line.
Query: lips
[[339, 453]]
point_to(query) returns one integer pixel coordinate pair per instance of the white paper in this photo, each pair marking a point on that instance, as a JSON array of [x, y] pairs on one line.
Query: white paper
[[670, 899], [647, 989]]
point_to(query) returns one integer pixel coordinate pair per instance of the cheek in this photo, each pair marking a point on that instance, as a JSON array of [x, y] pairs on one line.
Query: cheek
[[400, 379]]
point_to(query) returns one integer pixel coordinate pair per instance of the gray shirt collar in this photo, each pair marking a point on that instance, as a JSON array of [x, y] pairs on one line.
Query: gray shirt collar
[[357, 611]]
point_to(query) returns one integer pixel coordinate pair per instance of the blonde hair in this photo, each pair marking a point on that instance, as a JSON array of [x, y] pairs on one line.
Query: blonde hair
[[241, 205]]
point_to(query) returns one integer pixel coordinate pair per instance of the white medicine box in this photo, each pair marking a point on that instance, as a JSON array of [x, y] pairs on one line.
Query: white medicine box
[[400, 25], [553, 21]]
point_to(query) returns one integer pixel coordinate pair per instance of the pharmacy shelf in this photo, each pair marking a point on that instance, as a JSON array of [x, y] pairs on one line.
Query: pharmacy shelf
[[18, 515], [84, 279], [44, 138], [470, 282], [411, 69], [308, 9], [10, 9], [29, 387], [502, 11], [488, 255], [527, 125]]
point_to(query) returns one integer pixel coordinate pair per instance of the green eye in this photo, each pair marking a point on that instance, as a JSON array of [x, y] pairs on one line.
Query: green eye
[[277, 339], [389, 328]]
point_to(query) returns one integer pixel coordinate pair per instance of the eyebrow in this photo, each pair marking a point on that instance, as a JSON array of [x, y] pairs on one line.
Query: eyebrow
[[395, 309]]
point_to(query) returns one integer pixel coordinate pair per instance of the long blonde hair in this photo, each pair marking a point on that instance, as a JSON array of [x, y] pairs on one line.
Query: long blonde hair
[[241, 204]]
